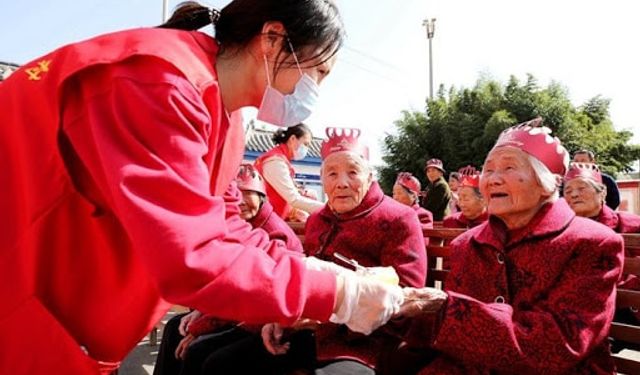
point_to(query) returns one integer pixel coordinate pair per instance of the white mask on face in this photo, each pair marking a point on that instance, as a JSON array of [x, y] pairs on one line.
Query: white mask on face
[[291, 109], [301, 152]]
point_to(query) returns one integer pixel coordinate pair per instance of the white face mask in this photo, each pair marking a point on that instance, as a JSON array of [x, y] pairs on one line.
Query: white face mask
[[291, 109], [301, 152]]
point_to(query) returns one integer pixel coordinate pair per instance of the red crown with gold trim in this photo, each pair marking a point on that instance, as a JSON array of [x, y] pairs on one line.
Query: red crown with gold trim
[[584, 170], [343, 139], [536, 140], [407, 180], [249, 179]]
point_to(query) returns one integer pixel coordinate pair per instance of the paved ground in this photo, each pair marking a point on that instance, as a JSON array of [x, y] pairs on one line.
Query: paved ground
[[142, 359]]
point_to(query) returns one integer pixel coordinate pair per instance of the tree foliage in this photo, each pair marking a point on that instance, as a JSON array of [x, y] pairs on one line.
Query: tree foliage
[[460, 127]]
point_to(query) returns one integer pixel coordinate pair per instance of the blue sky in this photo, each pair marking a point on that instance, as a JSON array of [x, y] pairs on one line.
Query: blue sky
[[588, 46]]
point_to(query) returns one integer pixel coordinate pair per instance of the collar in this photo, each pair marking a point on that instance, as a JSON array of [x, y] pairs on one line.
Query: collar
[[551, 218], [607, 217], [284, 150], [371, 200], [478, 220], [262, 216]]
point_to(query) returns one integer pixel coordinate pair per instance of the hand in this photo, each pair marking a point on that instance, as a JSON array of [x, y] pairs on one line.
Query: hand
[[271, 338], [183, 328], [366, 303], [421, 301], [181, 350]]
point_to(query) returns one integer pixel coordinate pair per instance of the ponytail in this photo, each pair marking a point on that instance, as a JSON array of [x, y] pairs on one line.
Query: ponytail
[[282, 135], [191, 15]]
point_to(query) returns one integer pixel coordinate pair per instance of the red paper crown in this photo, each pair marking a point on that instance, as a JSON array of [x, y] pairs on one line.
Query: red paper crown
[[470, 181], [407, 180], [249, 179], [536, 140], [343, 139], [584, 170], [469, 170], [435, 163]]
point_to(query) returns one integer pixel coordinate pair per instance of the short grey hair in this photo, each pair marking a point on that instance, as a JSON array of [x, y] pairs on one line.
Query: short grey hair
[[550, 182]]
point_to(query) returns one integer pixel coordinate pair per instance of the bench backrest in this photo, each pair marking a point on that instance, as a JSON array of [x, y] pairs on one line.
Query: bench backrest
[[626, 334], [438, 252]]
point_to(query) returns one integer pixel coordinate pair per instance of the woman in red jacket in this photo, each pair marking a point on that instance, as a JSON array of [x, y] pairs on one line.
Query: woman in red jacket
[[473, 209], [406, 190], [111, 185], [275, 166], [532, 290]]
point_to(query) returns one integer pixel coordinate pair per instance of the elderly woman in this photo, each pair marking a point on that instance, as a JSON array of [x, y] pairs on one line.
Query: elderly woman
[[438, 194], [473, 209], [532, 290], [359, 224], [585, 193], [406, 190]]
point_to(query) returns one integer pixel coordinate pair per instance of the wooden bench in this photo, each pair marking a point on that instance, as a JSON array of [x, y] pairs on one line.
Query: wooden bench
[[628, 359], [438, 252]]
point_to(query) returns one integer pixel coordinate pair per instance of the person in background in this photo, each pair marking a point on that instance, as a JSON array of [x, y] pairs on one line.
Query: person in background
[[454, 184], [437, 195], [585, 191], [124, 203], [532, 290], [612, 198], [275, 166], [473, 208], [406, 190]]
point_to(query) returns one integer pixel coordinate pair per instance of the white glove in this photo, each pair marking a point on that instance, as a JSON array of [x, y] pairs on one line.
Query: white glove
[[313, 263], [385, 274], [367, 303]]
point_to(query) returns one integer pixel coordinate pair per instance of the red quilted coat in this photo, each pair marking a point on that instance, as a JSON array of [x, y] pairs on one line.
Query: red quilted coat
[[379, 232], [424, 215], [458, 220], [534, 301]]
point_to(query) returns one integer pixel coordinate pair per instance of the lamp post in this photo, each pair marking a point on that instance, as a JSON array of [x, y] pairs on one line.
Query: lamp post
[[165, 10], [430, 25]]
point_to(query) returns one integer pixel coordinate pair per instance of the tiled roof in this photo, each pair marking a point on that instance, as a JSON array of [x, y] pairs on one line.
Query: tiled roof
[[6, 69], [259, 140]]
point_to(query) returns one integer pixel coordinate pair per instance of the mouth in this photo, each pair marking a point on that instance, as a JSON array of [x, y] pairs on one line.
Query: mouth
[[498, 195]]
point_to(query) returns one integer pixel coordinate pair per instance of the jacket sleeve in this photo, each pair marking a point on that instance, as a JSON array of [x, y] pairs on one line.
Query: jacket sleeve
[[405, 250], [142, 131], [550, 336], [437, 200]]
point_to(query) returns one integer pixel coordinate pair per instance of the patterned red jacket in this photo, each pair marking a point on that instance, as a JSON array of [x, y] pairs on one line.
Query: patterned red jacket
[[538, 300], [379, 232], [458, 220], [620, 222]]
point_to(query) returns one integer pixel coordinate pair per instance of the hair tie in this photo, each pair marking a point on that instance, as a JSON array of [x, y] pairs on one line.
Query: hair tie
[[214, 15]]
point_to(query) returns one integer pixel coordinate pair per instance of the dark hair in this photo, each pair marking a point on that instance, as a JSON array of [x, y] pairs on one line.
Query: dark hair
[[309, 23], [592, 157], [282, 135], [454, 175]]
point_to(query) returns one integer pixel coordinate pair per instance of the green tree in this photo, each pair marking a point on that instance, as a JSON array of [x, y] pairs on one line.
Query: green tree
[[460, 126]]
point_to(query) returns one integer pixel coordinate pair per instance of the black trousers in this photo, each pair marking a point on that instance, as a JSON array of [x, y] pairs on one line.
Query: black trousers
[[166, 363]]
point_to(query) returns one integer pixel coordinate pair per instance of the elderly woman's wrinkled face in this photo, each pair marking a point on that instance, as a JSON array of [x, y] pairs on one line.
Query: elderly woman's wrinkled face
[[583, 197], [510, 187], [250, 204], [470, 203], [403, 196], [346, 179], [433, 174]]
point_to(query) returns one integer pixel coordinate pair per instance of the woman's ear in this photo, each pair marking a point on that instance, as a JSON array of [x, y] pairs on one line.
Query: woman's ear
[[272, 38]]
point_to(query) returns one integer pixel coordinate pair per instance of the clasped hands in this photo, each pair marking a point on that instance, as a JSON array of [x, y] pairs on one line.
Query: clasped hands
[[416, 301]]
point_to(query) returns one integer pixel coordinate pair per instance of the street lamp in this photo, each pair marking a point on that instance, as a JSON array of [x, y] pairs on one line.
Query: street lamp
[[430, 25]]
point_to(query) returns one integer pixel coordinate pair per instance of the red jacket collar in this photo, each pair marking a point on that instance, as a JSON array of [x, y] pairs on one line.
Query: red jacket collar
[[551, 218], [262, 216], [371, 200], [607, 217]]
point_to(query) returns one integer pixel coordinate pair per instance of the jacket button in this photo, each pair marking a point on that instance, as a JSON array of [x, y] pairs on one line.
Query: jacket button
[[500, 258], [499, 299]]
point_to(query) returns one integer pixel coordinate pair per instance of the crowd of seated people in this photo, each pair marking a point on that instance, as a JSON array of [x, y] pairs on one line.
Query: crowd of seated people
[[531, 286]]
